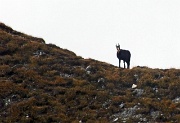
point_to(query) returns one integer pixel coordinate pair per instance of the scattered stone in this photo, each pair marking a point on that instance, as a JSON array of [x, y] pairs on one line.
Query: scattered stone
[[65, 75], [88, 69], [103, 86], [27, 116], [138, 92], [116, 119], [7, 102], [15, 97], [128, 112], [121, 105], [134, 86], [176, 100], [39, 53], [88, 72], [106, 104], [101, 80], [138, 116], [155, 114], [143, 119], [155, 89], [136, 77]]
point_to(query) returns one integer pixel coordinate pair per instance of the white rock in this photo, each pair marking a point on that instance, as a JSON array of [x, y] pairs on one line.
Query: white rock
[[101, 80], [88, 68], [121, 105], [88, 72], [115, 119], [176, 100], [134, 86]]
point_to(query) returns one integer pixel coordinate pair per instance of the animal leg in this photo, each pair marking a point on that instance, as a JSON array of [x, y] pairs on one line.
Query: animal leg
[[124, 65], [119, 63], [128, 65]]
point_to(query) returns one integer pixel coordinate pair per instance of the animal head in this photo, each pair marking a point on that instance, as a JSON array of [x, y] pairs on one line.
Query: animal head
[[118, 47]]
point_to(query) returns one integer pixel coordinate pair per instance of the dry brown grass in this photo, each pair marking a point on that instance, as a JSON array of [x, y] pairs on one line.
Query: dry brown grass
[[56, 87]]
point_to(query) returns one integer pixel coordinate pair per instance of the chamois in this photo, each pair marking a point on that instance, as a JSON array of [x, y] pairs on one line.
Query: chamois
[[124, 55]]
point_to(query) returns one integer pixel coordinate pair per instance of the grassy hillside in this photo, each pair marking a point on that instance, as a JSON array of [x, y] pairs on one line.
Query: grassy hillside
[[44, 83]]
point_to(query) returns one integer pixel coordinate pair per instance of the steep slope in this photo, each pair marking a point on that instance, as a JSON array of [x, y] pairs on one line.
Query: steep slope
[[44, 83]]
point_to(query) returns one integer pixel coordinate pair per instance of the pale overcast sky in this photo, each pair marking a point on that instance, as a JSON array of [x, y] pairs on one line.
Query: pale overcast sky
[[150, 29]]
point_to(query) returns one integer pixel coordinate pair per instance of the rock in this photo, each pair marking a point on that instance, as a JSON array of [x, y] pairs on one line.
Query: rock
[[136, 77], [7, 101], [116, 119], [155, 114], [88, 69], [128, 112], [101, 80], [155, 89], [121, 105], [88, 72], [39, 53], [176, 100], [138, 92], [143, 119], [134, 86]]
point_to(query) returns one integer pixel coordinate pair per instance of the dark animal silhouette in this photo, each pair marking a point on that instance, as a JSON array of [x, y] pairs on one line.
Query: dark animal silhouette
[[124, 55]]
